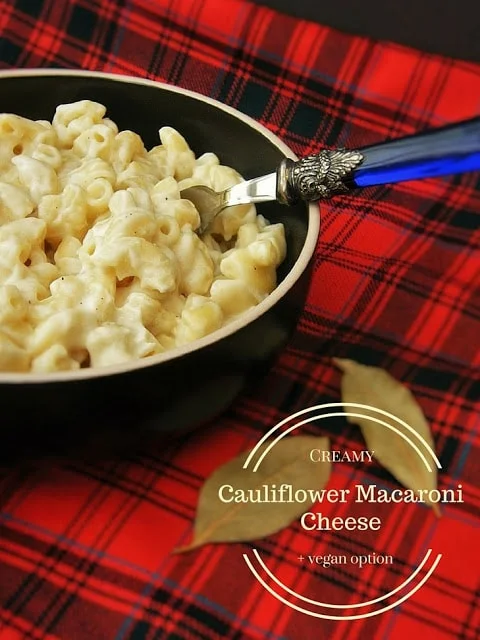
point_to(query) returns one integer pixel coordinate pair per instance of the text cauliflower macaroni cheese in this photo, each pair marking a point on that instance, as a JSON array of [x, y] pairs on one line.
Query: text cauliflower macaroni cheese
[[99, 259]]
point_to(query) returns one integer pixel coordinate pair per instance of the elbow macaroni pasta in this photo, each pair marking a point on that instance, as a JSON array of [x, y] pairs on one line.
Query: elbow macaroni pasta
[[100, 262]]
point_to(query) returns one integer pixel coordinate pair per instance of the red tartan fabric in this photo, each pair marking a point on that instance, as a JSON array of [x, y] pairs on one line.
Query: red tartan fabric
[[85, 545]]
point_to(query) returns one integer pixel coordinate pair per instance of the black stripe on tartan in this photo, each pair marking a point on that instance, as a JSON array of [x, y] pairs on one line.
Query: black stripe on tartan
[[441, 82], [319, 337], [104, 574], [107, 15], [36, 28], [469, 626], [419, 120], [186, 45], [9, 52], [190, 634], [368, 115], [240, 63], [14, 484], [425, 222], [88, 568], [85, 19], [453, 206], [137, 489], [6, 623], [415, 81], [32, 583], [466, 219], [438, 215], [21, 53], [441, 619], [70, 558], [200, 615], [46, 14], [64, 599], [110, 33], [421, 214], [173, 39], [186, 477], [255, 62], [162, 47], [325, 251], [343, 102], [366, 299], [435, 378], [244, 68], [82, 23], [254, 415], [31, 8], [371, 267]]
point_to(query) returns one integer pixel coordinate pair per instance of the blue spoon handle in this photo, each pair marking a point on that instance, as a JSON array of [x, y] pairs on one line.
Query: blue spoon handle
[[437, 152]]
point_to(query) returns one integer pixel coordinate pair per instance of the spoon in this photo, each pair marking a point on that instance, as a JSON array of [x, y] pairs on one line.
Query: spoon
[[437, 152]]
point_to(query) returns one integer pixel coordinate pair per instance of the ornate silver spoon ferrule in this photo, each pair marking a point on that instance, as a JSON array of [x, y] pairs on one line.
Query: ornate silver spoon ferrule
[[317, 176]]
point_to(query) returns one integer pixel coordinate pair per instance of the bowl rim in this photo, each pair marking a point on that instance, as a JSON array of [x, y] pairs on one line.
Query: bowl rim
[[245, 318]]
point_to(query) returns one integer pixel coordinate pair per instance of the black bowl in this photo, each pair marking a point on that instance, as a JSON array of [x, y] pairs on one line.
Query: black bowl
[[179, 390]]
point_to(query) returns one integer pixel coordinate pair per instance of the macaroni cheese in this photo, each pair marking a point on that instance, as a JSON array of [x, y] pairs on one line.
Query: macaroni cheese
[[100, 261]]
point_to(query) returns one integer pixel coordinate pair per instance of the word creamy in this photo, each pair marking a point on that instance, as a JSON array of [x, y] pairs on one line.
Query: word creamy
[[319, 455]]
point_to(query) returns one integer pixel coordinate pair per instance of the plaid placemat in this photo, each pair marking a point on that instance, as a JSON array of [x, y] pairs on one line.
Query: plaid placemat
[[85, 547]]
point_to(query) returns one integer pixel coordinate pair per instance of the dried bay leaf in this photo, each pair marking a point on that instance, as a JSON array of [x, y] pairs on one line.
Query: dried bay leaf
[[288, 462], [375, 387]]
